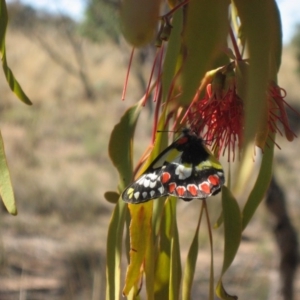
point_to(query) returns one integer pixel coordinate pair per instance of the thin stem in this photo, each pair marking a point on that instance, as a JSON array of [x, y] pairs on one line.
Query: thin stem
[[150, 79], [156, 114], [127, 75], [170, 13], [234, 44]]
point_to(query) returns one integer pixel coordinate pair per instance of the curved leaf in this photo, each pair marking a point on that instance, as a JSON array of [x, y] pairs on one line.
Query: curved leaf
[[190, 266], [261, 185], [172, 53], [162, 264], [121, 143], [232, 235], [276, 39], [6, 190], [112, 196], [204, 33], [175, 267], [140, 240], [13, 83], [120, 152], [259, 68], [114, 251]]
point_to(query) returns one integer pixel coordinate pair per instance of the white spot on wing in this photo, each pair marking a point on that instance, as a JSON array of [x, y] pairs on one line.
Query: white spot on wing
[[183, 172], [141, 180], [146, 183], [144, 194], [136, 195], [152, 184], [152, 176], [161, 189], [152, 193]]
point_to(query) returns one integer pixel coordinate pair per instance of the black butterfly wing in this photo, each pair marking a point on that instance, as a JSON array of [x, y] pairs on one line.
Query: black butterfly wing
[[185, 170], [145, 188], [191, 182], [174, 179], [149, 186]]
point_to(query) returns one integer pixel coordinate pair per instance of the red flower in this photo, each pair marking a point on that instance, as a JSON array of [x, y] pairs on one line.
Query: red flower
[[276, 111], [218, 118]]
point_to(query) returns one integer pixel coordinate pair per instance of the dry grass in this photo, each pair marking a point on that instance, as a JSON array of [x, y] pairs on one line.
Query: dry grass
[[57, 152]]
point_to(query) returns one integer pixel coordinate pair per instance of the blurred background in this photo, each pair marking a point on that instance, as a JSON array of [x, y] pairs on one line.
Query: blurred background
[[71, 61]]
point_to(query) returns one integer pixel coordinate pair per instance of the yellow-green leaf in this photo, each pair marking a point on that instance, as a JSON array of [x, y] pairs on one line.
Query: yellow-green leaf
[[120, 152], [276, 39], [6, 190], [171, 58], [13, 83], [121, 144], [205, 30], [175, 266], [232, 227], [140, 238], [112, 196], [232, 235], [261, 185], [190, 264], [114, 251], [223, 294], [162, 270], [259, 68]]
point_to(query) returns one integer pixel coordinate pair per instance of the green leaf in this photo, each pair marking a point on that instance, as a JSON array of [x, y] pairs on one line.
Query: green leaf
[[121, 144], [150, 267], [120, 152], [232, 227], [140, 239], [112, 196], [6, 190], [13, 83], [204, 33], [276, 39], [172, 53], [162, 270], [232, 235], [259, 68], [223, 294], [190, 266], [261, 185], [114, 251], [175, 266]]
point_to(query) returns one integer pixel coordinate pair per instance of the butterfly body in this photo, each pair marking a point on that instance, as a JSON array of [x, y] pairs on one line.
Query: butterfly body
[[185, 170]]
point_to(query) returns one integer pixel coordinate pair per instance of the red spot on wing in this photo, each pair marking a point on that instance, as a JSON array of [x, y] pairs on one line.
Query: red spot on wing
[[165, 177], [192, 188], [180, 190], [172, 187], [204, 187], [214, 180], [182, 140]]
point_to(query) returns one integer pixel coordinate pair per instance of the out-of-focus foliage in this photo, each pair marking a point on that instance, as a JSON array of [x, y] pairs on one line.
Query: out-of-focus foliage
[[101, 21], [25, 18], [296, 44]]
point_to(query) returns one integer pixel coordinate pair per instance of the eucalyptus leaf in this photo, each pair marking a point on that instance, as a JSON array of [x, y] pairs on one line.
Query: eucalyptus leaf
[[13, 83], [6, 190], [203, 39]]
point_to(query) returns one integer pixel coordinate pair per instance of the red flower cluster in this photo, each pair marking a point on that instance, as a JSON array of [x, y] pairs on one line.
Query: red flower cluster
[[276, 111], [219, 118]]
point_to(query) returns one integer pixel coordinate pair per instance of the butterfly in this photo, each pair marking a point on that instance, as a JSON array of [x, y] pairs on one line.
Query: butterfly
[[185, 169]]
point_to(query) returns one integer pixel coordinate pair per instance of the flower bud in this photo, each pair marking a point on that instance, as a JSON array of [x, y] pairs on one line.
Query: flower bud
[[139, 20]]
